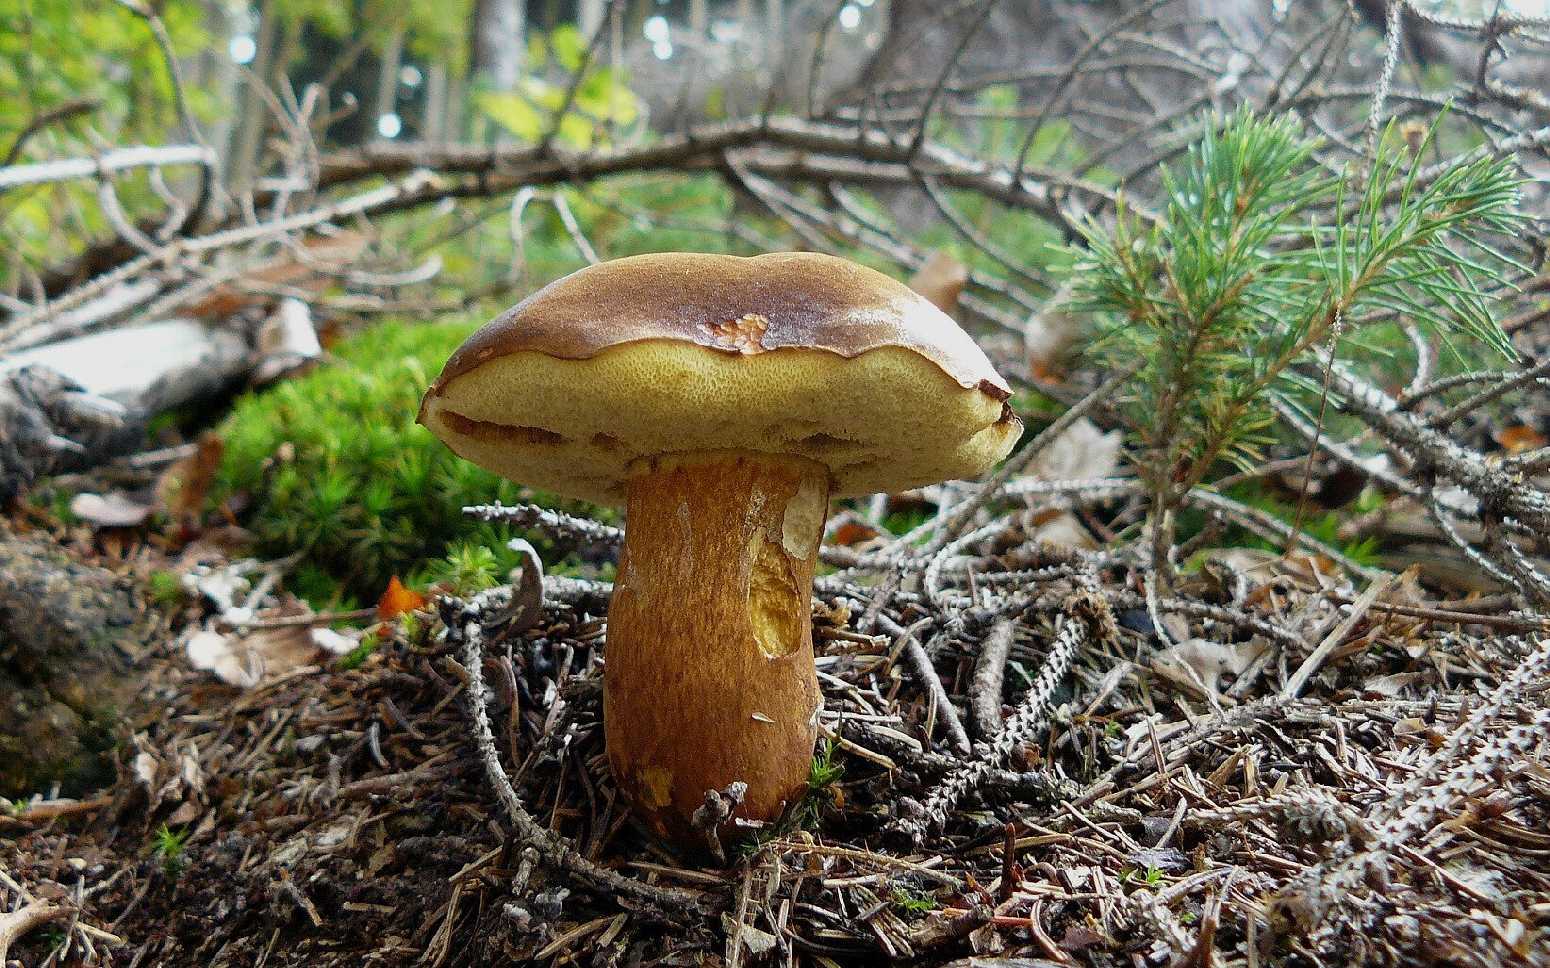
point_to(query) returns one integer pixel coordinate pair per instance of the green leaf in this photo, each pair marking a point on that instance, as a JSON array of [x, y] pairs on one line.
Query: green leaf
[[513, 112], [569, 46]]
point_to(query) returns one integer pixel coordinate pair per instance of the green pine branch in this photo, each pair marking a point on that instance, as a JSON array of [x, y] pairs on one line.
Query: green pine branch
[[1260, 258]]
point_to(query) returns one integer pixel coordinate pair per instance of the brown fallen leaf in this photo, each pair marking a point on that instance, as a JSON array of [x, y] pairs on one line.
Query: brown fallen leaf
[[1519, 438], [185, 484], [307, 273], [852, 532], [941, 279], [1048, 335], [246, 660], [1077, 937], [1202, 662], [1083, 452]]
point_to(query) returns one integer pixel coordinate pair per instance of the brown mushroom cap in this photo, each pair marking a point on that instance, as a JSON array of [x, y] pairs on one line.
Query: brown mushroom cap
[[788, 353]]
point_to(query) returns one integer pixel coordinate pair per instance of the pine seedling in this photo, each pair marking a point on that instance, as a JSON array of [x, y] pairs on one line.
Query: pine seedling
[[1261, 259]]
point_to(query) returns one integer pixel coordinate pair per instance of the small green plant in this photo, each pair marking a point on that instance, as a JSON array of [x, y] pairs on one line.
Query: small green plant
[[467, 568], [169, 849], [824, 772], [1151, 877], [54, 939], [913, 903], [1259, 259], [822, 776], [166, 589], [362, 651], [410, 625]]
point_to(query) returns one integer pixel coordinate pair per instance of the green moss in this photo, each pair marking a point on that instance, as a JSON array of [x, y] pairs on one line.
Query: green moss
[[333, 465], [358, 655], [168, 847], [166, 589], [913, 903]]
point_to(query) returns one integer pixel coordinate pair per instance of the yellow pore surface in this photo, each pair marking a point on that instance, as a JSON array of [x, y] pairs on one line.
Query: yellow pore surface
[[886, 420]]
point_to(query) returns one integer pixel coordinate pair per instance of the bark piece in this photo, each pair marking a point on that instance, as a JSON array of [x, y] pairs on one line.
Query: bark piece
[[72, 404]]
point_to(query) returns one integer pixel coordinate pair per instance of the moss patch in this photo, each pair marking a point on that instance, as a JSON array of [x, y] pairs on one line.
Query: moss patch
[[334, 466]]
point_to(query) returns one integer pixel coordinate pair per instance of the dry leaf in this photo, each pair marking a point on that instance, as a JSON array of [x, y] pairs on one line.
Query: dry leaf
[[287, 342], [217, 653], [184, 815], [527, 586], [852, 532], [246, 660], [1519, 438], [941, 279], [1391, 685], [185, 484], [332, 641], [221, 585], [290, 270], [398, 600], [1083, 452], [1061, 530], [109, 510], [1048, 334], [1077, 937], [1200, 662], [757, 942]]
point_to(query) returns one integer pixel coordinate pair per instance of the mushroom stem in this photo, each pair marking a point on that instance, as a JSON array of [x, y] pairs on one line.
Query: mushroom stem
[[709, 677]]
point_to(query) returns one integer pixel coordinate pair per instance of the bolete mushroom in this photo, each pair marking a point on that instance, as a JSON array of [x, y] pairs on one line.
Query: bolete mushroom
[[723, 401]]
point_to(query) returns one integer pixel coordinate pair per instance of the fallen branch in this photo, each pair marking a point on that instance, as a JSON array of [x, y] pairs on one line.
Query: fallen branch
[[1310, 665], [989, 677], [920, 661], [108, 163]]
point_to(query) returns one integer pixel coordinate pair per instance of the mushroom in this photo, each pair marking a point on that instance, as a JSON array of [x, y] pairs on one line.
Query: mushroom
[[722, 401]]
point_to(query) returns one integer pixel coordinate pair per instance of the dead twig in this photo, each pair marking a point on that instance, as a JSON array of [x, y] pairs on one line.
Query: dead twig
[[989, 670], [15, 925]]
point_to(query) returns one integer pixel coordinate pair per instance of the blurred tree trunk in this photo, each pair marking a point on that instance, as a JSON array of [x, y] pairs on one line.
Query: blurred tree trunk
[[589, 17], [635, 18], [456, 100], [434, 128], [248, 133], [499, 28], [774, 22], [214, 69], [498, 46], [387, 76]]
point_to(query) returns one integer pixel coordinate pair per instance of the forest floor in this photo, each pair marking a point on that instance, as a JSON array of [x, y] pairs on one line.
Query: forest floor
[[1310, 775]]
